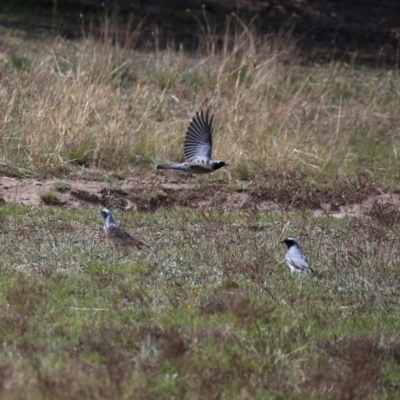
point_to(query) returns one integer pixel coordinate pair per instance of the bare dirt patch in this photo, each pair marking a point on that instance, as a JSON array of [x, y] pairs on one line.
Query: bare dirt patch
[[153, 191], [146, 194]]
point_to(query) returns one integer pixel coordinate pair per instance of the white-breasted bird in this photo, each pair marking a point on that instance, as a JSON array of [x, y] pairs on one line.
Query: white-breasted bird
[[295, 258], [198, 148], [116, 235]]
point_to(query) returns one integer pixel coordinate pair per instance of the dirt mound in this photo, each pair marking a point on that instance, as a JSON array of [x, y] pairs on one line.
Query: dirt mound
[[151, 192], [141, 194]]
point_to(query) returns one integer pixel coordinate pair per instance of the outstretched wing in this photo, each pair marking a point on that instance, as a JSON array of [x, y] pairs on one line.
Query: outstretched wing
[[198, 141]]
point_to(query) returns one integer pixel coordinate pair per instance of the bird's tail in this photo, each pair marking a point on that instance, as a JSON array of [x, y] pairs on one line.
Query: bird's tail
[[169, 166]]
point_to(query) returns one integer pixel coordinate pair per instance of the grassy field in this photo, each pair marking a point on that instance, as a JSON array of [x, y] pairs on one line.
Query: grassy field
[[210, 310], [95, 104]]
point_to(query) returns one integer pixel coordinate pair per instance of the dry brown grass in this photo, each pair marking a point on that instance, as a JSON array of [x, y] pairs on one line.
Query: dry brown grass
[[94, 103]]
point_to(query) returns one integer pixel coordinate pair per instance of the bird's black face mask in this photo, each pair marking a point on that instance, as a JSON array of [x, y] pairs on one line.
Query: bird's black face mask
[[220, 164]]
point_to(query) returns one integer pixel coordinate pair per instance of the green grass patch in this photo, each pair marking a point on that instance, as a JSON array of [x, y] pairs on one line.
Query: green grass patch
[[211, 309], [62, 187], [50, 197]]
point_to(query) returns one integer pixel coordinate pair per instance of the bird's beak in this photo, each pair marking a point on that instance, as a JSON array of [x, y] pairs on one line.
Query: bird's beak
[[281, 241]]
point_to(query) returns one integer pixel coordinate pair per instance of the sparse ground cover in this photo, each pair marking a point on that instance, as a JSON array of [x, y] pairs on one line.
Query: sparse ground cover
[[210, 310]]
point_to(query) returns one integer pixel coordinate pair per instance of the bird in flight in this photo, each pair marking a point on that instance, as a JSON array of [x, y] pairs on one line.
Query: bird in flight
[[295, 258], [116, 235], [197, 148]]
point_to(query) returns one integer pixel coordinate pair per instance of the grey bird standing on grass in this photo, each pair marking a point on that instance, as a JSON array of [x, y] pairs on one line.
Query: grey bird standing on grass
[[115, 234], [198, 148], [295, 258]]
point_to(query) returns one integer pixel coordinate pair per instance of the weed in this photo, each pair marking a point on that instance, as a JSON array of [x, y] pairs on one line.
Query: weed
[[50, 197], [62, 187]]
